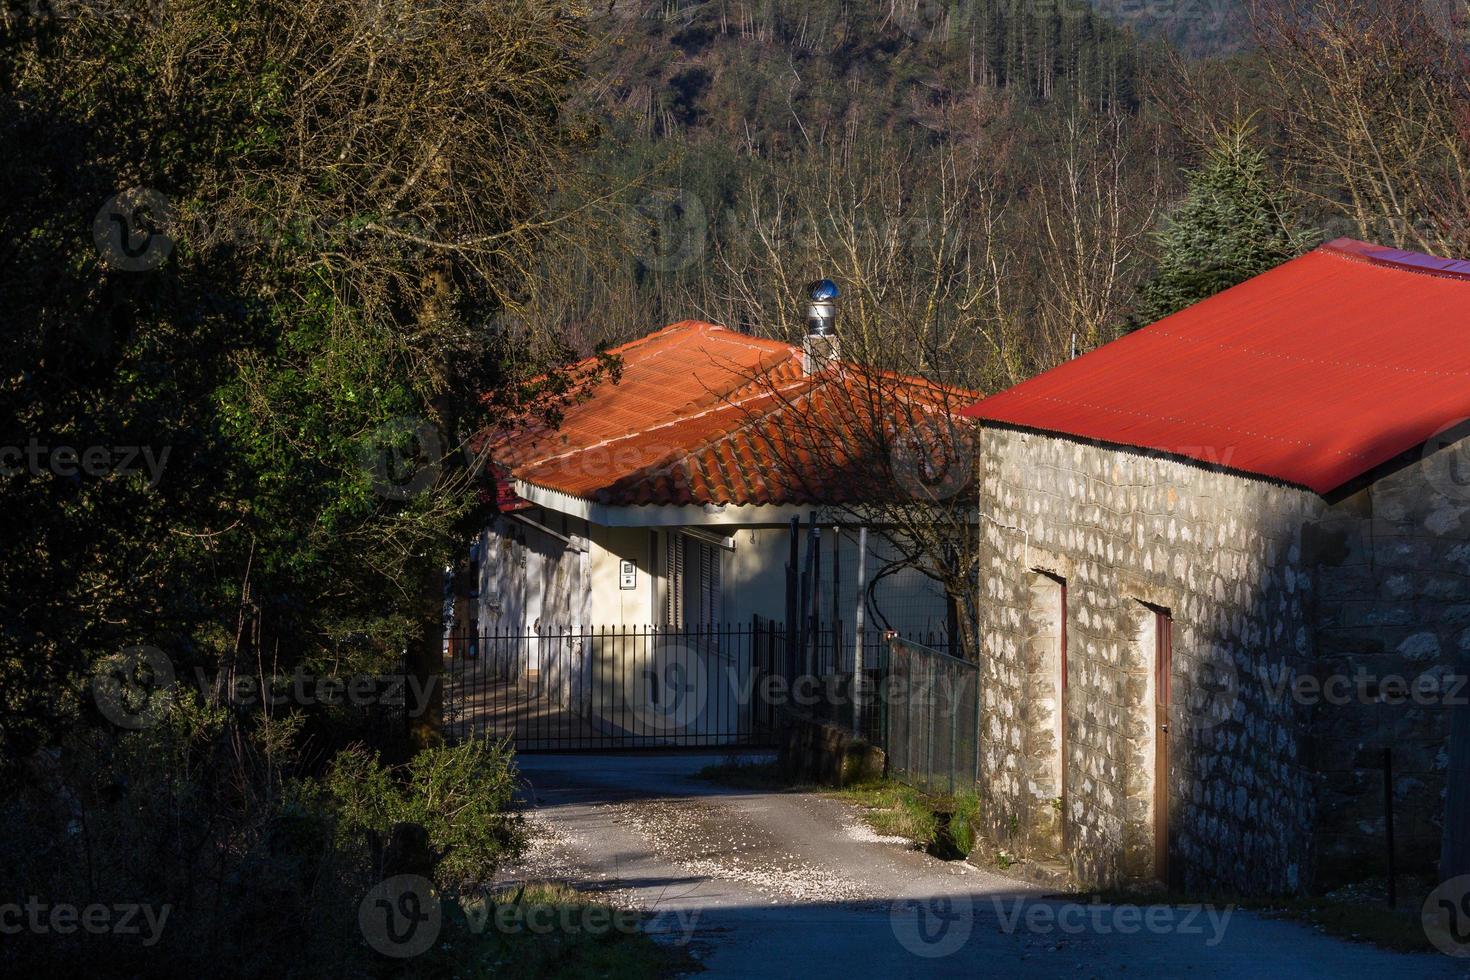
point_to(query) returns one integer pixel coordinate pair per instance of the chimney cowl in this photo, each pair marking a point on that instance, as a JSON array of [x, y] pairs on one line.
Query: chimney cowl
[[820, 350], [821, 316]]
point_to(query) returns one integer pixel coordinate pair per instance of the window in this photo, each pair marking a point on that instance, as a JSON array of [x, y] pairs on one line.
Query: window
[[692, 583]]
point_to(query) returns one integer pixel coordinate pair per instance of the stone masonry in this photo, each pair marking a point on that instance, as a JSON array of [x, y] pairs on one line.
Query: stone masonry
[[1271, 589]]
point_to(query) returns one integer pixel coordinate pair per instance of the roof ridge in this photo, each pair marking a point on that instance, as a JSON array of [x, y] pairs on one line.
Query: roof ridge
[[703, 325], [1397, 259]]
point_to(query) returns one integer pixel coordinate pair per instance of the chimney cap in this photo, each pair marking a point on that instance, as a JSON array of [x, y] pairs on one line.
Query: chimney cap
[[824, 291]]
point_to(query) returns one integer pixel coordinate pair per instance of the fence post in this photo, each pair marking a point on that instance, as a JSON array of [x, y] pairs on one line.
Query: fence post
[[929, 743], [857, 643], [975, 773]]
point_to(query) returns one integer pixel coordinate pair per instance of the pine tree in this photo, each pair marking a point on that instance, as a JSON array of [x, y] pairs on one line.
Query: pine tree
[[1234, 223]]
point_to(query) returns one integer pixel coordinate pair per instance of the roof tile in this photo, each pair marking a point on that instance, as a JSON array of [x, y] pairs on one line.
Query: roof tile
[[702, 414]]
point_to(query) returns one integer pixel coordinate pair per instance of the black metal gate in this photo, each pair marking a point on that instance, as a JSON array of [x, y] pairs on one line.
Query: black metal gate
[[617, 687]]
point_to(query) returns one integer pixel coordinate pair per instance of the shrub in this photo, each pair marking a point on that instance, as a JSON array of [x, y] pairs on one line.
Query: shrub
[[964, 822], [462, 795], [195, 820], [261, 870]]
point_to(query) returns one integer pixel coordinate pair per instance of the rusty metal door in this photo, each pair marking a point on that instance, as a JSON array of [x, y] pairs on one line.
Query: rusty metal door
[[1163, 660], [1062, 716]]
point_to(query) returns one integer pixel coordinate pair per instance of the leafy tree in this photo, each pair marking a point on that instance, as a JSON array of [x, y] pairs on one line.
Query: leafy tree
[[333, 202], [1235, 223]]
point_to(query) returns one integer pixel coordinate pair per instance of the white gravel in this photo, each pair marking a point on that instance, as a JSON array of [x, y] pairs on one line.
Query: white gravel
[[704, 840]]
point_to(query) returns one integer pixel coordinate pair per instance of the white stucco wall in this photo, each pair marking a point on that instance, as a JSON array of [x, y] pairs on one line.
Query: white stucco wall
[[528, 576]]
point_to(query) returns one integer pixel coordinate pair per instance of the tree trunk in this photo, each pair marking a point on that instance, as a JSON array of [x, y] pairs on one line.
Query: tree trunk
[[424, 666]]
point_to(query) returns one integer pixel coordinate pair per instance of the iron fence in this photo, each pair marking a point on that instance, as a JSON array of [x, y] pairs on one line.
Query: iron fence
[[829, 659], [698, 687], [616, 687], [932, 731]]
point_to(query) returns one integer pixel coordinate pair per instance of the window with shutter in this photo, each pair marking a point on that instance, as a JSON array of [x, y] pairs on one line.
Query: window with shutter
[[709, 585], [692, 595], [674, 579]]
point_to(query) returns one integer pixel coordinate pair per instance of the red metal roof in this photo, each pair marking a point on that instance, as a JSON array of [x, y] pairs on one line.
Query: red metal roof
[[702, 414], [1313, 373]]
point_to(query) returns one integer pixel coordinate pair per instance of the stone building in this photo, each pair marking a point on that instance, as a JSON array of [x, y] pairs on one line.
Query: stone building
[[1225, 579]]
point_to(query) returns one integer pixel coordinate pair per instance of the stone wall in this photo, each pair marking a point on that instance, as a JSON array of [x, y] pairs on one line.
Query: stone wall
[[1309, 636], [1129, 533], [1393, 631]]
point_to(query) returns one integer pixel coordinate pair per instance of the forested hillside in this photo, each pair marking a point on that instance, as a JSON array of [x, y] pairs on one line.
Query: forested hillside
[[762, 72], [931, 153], [1197, 28]]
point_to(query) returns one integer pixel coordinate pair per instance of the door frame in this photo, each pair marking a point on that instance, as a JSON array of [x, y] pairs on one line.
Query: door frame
[[1062, 705], [1163, 668]]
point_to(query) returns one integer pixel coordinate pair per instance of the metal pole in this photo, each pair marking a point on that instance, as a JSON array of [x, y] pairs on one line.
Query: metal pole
[[793, 571], [954, 723], [836, 601], [1388, 822], [857, 644], [808, 612], [816, 606]]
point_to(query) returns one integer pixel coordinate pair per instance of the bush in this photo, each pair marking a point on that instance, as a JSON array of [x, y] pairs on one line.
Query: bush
[[195, 820], [461, 795], [206, 820]]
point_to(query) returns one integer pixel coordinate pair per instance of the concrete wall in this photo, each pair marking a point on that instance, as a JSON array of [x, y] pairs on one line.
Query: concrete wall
[[536, 588], [755, 582], [527, 575], [608, 603], [1224, 556]]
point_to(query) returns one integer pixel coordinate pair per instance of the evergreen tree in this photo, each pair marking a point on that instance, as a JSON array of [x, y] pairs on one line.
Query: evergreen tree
[[1234, 223]]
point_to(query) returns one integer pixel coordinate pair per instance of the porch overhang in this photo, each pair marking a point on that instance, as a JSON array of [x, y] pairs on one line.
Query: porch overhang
[[662, 515]]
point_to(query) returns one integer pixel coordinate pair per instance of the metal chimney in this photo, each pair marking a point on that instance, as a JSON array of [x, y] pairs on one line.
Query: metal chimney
[[820, 349]]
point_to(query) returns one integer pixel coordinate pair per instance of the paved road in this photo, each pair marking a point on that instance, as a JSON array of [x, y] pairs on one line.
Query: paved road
[[793, 884]]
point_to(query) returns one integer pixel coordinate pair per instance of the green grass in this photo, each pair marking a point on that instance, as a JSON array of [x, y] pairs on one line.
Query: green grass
[[895, 809], [964, 824], [890, 808], [602, 952]]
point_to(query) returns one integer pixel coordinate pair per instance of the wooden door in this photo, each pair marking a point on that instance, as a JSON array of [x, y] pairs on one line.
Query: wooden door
[[1163, 658], [1062, 715]]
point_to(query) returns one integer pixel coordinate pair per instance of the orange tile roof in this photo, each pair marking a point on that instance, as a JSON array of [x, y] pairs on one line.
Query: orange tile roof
[[706, 415]]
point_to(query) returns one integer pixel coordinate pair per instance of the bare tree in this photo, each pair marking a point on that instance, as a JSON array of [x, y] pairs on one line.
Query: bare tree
[[1098, 203], [1371, 97]]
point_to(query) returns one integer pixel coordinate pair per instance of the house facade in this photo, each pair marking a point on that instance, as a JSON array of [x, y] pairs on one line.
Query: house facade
[[714, 486], [1225, 585]]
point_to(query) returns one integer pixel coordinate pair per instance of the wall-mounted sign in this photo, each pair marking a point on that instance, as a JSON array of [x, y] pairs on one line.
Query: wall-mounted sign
[[627, 574]]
